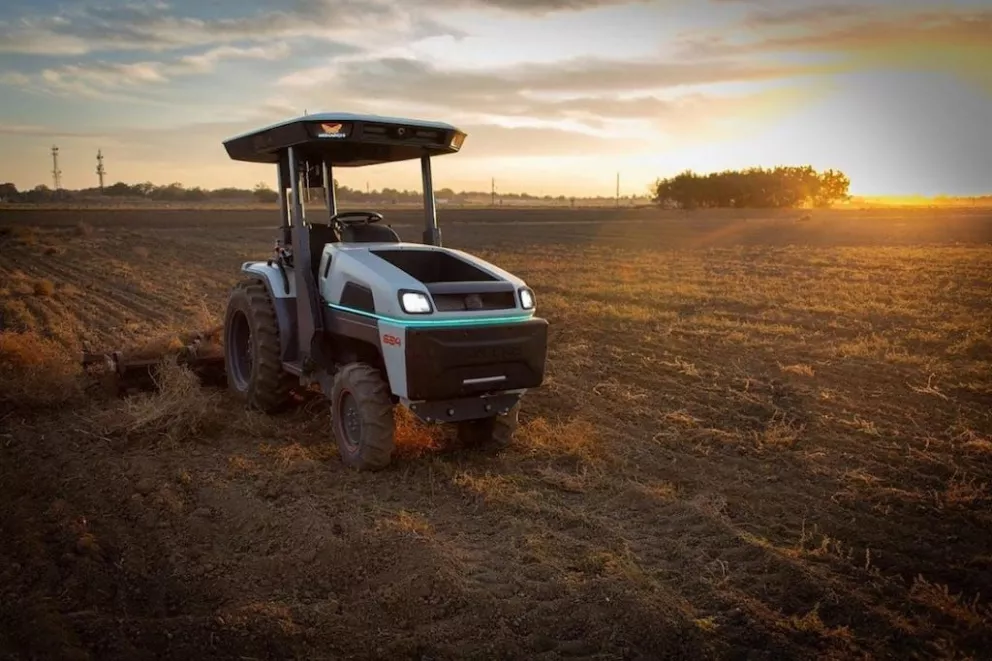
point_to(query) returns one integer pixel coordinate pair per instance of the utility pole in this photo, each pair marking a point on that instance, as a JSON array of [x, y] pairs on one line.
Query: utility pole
[[100, 171], [618, 190], [492, 183], [56, 173]]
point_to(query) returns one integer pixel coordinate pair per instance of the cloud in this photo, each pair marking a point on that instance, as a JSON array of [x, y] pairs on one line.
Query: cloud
[[809, 15], [101, 79], [206, 61], [840, 29], [154, 27], [405, 79], [484, 141], [533, 7], [13, 78], [151, 28], [614, 98], [36, 130], [492, 141]]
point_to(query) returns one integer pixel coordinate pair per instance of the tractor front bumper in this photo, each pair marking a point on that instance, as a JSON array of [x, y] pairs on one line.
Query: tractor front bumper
[[467, 408], [455, 363]]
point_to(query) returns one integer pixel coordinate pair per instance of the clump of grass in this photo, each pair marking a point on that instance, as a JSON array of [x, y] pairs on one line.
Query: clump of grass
[[36, 371], [180, 408], [499, 490], [576, 438], [780, 433], [413, 437], [812, 623], [962, 493], [409, 523], [938, 597], [43, 288], [15, 316], [19, 284], [83, 229], [801, 369]]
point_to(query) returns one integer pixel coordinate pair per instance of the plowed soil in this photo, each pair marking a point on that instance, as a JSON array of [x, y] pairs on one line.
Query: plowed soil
[[760, 438]]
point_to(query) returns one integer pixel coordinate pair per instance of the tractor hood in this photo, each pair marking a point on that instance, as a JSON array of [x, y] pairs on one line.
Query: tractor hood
[[456, 284]]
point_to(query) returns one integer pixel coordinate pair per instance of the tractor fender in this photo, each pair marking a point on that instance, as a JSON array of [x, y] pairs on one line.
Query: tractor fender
[[281, 285], [278, 279]]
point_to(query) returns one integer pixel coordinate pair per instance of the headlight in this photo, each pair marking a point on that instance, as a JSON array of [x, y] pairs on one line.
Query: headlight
[[526, 299], [415, 302]]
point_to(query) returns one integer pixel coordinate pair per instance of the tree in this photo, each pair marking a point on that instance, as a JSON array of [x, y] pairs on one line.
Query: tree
[[834, 187], [262, 193], [8, 192], [783, 187]]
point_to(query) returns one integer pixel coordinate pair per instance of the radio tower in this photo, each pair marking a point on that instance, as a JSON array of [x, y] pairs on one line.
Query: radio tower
[[56, 173], [100, 171]]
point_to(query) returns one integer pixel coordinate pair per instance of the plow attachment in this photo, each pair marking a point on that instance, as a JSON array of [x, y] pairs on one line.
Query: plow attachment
[[129, 371]]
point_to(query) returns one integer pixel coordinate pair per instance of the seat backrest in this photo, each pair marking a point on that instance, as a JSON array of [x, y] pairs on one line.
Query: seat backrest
[[362, 233], [319, 236]]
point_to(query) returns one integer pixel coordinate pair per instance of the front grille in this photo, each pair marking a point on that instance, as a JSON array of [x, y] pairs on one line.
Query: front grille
[[499, 300]]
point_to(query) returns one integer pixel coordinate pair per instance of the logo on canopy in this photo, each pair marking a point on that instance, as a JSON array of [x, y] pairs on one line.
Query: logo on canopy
[[329, 130]]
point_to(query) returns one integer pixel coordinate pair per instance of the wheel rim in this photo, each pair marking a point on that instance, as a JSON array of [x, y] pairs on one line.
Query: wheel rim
[[350, 423], [239, 339]]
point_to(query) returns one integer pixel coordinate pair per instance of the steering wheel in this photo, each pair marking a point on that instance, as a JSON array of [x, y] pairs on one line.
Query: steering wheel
[[367, 216]]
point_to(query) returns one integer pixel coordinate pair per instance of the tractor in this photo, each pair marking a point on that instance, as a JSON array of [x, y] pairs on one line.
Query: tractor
[[375, 322]]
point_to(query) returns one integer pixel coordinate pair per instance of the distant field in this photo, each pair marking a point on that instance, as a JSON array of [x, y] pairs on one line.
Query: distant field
[[761, 436]]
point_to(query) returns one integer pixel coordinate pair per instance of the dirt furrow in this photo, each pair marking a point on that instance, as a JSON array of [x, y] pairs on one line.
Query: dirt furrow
[[111, 310]]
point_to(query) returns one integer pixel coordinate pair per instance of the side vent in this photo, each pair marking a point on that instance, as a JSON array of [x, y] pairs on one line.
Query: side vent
[[357, 297]]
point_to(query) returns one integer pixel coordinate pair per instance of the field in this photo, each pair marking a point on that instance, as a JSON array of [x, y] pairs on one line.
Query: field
[[760, 438]]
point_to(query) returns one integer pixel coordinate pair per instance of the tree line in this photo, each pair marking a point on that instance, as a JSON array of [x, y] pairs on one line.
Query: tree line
[[782, 187], [779, 187], [263, 193]]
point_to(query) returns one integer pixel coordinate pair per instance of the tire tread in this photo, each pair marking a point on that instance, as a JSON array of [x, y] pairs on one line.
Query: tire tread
[[372, 394]]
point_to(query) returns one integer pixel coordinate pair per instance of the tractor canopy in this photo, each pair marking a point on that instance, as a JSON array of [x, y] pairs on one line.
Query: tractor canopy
[[347, 140]]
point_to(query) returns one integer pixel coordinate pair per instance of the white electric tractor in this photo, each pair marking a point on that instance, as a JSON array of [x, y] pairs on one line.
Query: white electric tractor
[[374, 321]]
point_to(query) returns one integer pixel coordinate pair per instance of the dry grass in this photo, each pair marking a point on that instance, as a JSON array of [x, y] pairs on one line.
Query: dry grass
[[764, 438], [179, 410], [36, 371], [43, 288]]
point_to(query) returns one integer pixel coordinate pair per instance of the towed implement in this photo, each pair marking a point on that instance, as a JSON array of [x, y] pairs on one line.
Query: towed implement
[[127, 372]]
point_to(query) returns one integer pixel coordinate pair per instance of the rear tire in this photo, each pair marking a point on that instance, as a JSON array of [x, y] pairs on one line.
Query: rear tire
[[252, 351], [496, 431], [362, 417]]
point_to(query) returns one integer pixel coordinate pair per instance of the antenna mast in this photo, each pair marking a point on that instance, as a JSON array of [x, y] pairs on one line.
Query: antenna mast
[[100, 171], [56, 173]]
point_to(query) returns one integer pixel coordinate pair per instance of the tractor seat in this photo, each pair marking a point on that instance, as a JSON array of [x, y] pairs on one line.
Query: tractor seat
[[319, 236], [362, 233]]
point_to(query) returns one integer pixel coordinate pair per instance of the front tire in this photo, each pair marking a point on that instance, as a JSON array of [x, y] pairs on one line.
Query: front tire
[[362, 417], [252, 351]]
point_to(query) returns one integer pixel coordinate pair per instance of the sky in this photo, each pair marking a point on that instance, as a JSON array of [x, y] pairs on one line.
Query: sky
[[557, 96]]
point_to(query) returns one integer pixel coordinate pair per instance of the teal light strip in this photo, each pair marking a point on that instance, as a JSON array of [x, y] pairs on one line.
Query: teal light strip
[[420, 323]]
